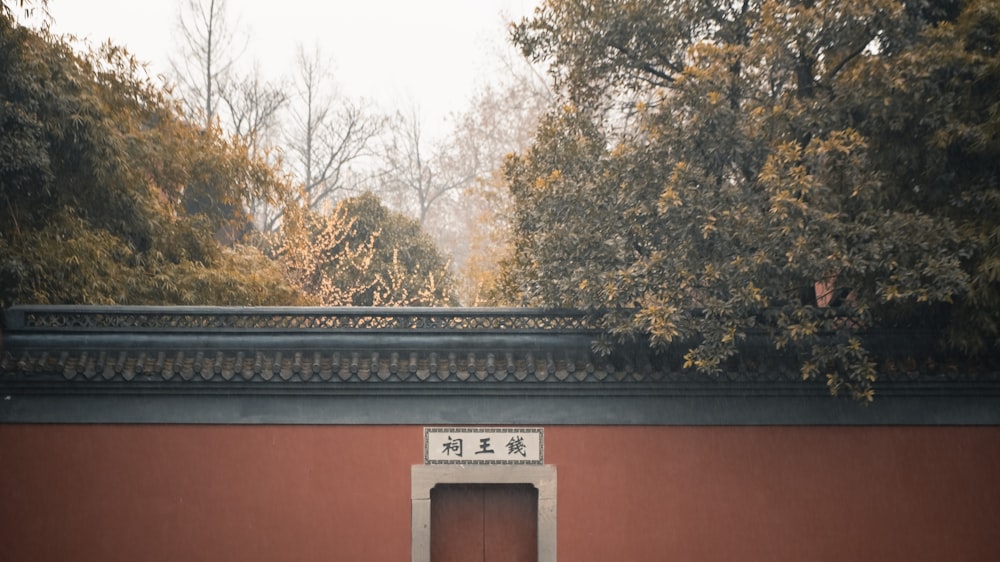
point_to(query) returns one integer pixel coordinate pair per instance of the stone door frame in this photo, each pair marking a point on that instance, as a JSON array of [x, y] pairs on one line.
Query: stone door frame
[[423, 478]]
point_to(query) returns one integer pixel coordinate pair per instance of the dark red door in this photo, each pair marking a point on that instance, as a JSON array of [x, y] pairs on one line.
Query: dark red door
[[484, 522]]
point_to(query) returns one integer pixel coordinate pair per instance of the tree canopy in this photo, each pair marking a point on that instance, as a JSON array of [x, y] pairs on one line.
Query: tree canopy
[[811, 169], [363, 254], [111, 194]]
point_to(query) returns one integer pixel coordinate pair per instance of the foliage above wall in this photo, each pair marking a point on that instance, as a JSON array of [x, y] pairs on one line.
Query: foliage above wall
[[110, 194], [810, 168]]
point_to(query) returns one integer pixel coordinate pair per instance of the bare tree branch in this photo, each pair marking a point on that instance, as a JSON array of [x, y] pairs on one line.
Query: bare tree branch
[[206, 55], [420, 176], [253, 105], [326, 136]]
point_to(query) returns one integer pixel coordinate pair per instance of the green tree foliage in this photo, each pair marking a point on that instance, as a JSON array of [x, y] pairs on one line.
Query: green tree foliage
[[362, 254], [810, 168], [108, 195], [25, 7]]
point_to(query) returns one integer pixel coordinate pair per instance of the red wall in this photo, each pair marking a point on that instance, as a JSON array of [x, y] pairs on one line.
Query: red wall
[[151, 493], [778, 493], [213, 493]]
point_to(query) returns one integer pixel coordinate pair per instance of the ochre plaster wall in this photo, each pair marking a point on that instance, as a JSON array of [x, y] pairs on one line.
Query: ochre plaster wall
[[777, 493], [205, 493], [262, 493]]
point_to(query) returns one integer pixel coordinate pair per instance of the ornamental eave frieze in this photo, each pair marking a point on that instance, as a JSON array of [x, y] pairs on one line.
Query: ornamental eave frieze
[[195, 349]]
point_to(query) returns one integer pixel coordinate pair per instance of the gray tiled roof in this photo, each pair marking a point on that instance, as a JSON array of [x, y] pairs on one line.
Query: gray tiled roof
[[415, 353]]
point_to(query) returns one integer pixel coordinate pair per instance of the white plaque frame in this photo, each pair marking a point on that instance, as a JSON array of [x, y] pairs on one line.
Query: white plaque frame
[[484, 445]]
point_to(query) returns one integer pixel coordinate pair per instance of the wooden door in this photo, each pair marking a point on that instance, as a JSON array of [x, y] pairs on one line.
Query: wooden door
[[484, 522]]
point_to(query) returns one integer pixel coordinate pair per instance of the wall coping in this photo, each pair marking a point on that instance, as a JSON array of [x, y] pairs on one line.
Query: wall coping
[[92, 364]]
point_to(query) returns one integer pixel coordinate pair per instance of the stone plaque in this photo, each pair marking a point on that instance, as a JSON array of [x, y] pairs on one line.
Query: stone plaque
[[483, 445]]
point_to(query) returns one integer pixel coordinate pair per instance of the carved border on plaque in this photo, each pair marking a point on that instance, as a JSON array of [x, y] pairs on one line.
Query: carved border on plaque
[[536, 445]]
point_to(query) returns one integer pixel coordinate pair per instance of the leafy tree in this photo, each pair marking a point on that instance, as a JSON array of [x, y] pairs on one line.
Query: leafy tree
[[810, 168], [362, 254], [27, 7], [109, 195]]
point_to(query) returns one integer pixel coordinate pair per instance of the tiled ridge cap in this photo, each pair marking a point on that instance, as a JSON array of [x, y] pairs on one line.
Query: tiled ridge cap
[[138, 344], [55, 318]]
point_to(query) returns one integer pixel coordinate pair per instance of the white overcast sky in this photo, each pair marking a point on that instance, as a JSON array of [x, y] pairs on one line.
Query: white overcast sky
[[427, 54]]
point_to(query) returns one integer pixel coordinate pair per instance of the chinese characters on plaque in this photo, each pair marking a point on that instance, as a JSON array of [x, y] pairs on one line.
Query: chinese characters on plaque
[[483, 445]]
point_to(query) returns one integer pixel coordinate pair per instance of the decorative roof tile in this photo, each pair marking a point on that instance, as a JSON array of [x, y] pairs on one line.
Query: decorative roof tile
[[410, 352]]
